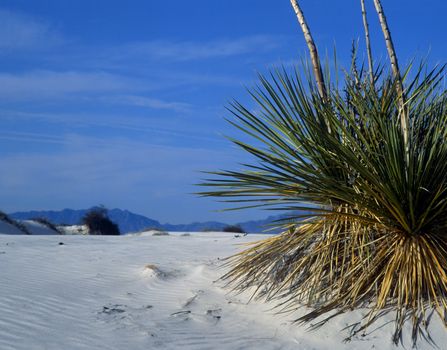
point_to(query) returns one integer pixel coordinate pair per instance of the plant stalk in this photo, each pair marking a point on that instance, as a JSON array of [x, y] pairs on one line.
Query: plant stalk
[[395, 69], [316, 63], [368, 42]]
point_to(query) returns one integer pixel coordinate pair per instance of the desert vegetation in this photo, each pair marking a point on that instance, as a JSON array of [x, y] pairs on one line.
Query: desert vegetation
[[367, 155], [233, 228], [98, 223]]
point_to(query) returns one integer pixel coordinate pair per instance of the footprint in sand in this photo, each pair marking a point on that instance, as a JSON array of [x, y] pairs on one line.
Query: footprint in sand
[[112, 312], [154, 270], [192, 300], [192, 309], [183, 315], [214, 314], [120, 311], [210, 315], [113, 309]]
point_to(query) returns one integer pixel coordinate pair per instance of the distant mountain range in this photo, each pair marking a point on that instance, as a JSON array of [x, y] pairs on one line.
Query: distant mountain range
[[131, 222]]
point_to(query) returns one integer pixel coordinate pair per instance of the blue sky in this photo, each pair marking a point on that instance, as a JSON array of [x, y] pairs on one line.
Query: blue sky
[[121, 103]]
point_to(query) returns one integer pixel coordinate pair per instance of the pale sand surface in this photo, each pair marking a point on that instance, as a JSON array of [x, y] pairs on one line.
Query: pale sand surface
[[97, 293]]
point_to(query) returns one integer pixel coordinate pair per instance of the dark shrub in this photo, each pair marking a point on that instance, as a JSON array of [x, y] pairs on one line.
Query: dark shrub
[[98, 223], [160, 233], [233, 228], [209, 229], [6, 218]]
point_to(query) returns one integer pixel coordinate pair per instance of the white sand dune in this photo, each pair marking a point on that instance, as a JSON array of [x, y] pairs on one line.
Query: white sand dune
[[32, 227], [36, 228], [146, 292], [8, 229]]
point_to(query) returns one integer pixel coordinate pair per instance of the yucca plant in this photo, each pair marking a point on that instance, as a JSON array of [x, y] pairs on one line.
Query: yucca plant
[[368, 157]]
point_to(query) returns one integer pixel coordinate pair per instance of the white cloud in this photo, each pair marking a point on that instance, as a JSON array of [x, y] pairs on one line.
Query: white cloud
[[148, 102], [24, 32], [30, 137], [160, 129], [49, 84], [191, 50], [91, 171], [115, 88], [152, 180]]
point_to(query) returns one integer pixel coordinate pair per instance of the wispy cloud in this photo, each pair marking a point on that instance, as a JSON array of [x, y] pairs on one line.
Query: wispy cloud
[[117, 172], [159, 129], [116, 88], [128, 124], [194, 50], [31, 137], [25, 32], [148, 102], [286, 63], [50, 84]]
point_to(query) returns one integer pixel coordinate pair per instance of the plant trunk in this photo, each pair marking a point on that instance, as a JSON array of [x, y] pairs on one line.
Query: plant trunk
[[395, 68], [368, 43], [318, 73]]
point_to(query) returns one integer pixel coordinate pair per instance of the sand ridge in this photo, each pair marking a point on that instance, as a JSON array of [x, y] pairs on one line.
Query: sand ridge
[[145, 292]]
